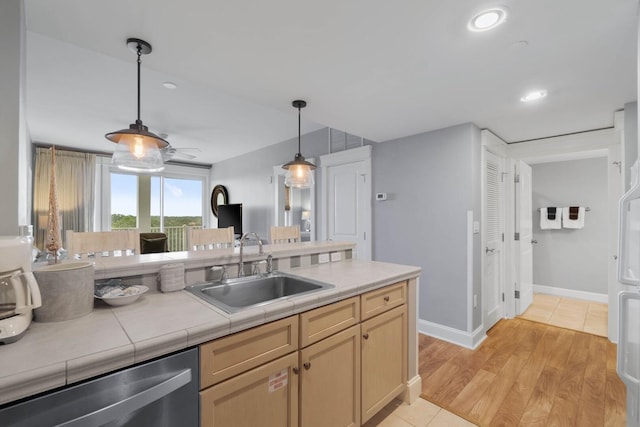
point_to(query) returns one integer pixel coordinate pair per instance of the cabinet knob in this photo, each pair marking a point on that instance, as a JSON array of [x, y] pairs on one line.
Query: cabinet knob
[[386, 299], [365, 336], [296, 370], [307, 365]]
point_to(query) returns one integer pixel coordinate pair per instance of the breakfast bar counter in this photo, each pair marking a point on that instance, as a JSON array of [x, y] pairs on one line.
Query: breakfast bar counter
[[52, 355]]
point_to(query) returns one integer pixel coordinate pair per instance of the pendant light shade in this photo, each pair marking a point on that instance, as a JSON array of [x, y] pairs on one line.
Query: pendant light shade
[[137, 149], [299, 171]]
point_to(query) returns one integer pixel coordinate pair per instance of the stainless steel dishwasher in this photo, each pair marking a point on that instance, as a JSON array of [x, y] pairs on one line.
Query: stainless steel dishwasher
[[163, 392]]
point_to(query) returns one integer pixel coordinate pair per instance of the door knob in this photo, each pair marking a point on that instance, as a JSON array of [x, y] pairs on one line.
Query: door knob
[[307, 365], [365, 336], [296, 370], [487, 250], [533, 242]]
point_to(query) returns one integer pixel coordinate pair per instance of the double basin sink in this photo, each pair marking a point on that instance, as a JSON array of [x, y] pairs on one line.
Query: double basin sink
[[234, 295]]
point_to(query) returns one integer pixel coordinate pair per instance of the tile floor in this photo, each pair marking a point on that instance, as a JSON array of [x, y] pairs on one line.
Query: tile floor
[[579, 315], [420, 413]]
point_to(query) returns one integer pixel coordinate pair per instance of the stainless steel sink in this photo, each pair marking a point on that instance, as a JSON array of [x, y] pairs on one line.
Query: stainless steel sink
[[233, 295]]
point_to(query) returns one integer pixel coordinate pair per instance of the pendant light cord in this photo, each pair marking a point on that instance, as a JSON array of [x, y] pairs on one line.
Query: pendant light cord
[[299, 153], [139, 62]]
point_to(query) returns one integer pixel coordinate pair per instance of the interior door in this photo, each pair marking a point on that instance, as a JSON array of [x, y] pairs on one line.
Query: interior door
[[347, 199], [524, 226], [492, 239]]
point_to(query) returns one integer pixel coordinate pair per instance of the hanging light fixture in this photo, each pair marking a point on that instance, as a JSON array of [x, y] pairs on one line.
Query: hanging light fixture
[[137, 149], [299, 171]]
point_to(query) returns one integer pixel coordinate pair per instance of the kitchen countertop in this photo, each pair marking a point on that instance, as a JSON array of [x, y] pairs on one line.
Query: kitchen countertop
[[51, 355]]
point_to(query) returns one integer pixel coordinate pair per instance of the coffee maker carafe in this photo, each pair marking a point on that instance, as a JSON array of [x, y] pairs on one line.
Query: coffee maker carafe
[[19, 292]]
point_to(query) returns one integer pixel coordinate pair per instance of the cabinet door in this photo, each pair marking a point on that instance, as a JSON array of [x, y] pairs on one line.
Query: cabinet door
[[330, 381], [384, 360], [266, 396], [229, 356]]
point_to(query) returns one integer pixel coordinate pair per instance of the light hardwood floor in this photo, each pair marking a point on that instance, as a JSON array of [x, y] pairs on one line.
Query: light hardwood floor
[[579, 315], [526, 374]]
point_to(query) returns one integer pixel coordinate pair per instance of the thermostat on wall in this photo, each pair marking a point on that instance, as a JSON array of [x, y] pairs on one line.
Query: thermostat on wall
[[381, 196]]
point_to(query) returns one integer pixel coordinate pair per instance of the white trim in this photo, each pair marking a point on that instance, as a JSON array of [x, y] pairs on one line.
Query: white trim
[[353, 155], [347, 156], [470, 340], [470, 272], [571, 293], [413, 390], [493, 143]]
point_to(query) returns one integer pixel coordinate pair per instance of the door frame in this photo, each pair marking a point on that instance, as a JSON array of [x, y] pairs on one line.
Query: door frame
[[496, 146], [596, 143], [354, 155]]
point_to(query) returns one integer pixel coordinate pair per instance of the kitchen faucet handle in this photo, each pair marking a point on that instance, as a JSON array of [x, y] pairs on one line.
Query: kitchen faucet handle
[[269, 264]]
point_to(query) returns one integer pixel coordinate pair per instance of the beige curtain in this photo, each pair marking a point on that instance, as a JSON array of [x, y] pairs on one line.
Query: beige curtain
[[75, 177]]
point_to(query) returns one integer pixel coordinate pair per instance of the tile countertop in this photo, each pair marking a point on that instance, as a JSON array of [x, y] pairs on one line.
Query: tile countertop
[[51, 355]]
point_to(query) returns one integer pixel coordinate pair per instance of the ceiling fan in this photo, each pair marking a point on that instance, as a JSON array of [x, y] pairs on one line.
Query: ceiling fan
[[170, 152]]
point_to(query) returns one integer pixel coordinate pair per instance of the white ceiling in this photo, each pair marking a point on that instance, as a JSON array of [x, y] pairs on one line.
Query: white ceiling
[[378, 69]]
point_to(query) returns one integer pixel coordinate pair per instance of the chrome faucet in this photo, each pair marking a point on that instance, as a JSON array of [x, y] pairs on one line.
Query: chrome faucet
[[242, 239]]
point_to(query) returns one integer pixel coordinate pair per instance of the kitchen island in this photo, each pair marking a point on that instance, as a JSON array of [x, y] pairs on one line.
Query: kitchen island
[[53, 355]]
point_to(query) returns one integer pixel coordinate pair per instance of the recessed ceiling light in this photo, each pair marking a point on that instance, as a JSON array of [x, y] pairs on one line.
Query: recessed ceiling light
[[487, 19], [534, 95], [170, 85]]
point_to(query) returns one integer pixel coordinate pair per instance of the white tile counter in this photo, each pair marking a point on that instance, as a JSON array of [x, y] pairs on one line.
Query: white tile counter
[[51, 355]]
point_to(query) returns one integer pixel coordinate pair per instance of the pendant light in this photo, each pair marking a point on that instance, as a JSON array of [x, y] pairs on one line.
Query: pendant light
[[299, 171], [137, 149]]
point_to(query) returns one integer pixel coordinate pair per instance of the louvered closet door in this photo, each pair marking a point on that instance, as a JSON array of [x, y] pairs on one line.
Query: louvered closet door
[[492, 238]]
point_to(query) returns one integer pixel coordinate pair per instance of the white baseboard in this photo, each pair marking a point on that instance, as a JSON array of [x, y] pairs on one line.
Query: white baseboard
[[570, 293], [470, 340], [413, 390]]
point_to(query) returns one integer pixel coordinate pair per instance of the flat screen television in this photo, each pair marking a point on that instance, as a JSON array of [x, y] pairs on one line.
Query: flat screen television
[[230, 215]]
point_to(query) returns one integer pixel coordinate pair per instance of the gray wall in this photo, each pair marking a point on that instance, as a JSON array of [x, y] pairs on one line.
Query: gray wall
[[248, 178], [630, 139], [432, 180], [566, 258]]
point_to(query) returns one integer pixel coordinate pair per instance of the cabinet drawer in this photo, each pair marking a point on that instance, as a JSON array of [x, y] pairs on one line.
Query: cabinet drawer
[[383, 299], [325, 321], [232, 355], [264, 396]]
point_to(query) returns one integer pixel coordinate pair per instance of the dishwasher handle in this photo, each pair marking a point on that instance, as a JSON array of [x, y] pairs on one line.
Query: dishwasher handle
[[132, 403]]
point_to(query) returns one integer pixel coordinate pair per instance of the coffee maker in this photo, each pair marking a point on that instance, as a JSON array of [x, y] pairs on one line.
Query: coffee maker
[[19, 292]]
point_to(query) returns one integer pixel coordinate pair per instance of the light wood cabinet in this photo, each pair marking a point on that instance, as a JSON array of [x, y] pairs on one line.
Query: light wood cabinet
[[229, 356], [384, 359], [325, 321], [383, 299], [264, 396], [336, 365], [330, 381]]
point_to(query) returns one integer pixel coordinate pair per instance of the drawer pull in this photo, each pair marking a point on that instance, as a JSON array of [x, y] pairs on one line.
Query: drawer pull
[[386, 299], [296, 370], [307, 365], [365, 336]]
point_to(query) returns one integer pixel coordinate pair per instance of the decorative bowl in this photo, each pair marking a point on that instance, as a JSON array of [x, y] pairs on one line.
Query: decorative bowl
[[125, 295]]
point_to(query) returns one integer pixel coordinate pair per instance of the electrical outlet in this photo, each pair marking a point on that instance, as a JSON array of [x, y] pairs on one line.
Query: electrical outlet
[[322, 258], [476, 227], [336, 256]]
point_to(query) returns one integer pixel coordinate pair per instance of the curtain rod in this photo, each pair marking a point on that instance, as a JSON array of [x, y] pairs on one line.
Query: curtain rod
[[107, 154]]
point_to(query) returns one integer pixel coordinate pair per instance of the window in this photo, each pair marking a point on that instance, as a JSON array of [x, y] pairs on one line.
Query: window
[[166, 202]]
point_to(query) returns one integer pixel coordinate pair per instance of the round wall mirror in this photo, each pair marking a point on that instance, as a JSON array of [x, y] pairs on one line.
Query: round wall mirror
[[219, 196]]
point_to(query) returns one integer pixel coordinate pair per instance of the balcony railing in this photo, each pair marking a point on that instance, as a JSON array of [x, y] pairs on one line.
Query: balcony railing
[[176, 236]]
